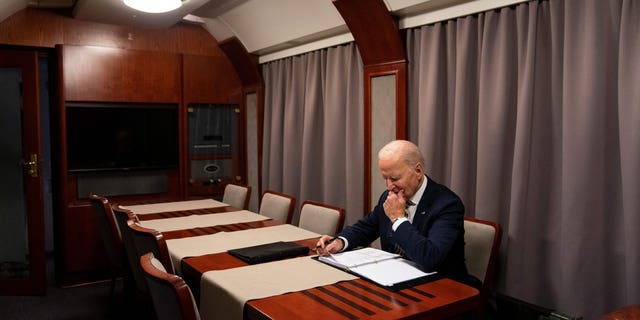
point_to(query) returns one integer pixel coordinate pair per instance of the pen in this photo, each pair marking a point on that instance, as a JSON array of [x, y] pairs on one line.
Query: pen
[[326, 243]]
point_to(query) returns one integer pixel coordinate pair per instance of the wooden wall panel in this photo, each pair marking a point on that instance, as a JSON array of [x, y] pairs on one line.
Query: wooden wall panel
[[107, 74], [101, 62], [81, 237], [195, 40], [31, 27], [246, 64], [42, 28], [87, 33], [210, 80]]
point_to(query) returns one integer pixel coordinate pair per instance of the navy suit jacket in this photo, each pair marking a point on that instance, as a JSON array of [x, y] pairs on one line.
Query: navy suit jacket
[[435, 239]]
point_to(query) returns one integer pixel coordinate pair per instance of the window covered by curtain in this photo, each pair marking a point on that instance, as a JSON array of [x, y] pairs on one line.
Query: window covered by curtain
[[531, 114], [313, 128]]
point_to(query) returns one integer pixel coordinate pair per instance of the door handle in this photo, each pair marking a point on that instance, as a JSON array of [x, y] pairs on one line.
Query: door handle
[[32, 165]]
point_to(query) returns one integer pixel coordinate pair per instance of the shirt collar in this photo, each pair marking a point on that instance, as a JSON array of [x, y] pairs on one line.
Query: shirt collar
[[418, 195], [416, 198]]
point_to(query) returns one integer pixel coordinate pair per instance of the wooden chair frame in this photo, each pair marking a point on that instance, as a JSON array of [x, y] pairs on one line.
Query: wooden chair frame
[[184, 298], [111, 237], [122, 217], [144, 238]]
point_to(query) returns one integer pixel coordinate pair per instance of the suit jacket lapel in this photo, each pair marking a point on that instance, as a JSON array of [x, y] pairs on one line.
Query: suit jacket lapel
[[424, 206]]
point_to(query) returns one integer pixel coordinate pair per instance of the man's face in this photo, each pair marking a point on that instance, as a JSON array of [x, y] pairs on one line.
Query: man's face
[[398, 176]]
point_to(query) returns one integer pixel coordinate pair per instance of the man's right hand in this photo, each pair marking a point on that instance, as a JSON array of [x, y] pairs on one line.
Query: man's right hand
[[328, 244], [394, 205]]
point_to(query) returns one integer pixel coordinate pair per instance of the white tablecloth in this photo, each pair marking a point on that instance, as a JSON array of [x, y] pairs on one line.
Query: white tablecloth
[[223, 241], [223, 293], [175, 206], [205, 220]]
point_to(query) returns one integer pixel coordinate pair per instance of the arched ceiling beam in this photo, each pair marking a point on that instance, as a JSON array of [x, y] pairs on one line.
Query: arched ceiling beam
[[374, 30], [246, 64]]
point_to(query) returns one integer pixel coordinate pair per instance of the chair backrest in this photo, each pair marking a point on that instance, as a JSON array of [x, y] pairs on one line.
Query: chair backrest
[[150, 240], [482, 243], [236, 195], [321, 218], [122, 216], [108, 232], [277, 206], [172, 299]]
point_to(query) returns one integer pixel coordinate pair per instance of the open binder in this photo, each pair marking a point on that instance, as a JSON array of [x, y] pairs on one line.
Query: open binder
[[388, 270], [269, 252]]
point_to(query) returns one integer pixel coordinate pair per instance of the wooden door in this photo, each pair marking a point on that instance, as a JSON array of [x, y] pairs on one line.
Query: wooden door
[[22, 257]]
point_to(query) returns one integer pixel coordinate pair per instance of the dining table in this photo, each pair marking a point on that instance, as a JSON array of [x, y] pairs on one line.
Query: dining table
[[200, 233]]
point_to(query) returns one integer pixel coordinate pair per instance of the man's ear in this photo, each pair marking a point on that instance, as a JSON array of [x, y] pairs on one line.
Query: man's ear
[[418, 168]]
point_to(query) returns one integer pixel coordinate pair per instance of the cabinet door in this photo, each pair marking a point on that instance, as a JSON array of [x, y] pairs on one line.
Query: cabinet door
[[216, 148]]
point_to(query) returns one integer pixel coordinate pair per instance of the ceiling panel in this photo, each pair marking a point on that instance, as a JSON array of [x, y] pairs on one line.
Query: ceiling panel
[[261, 24], [265, 27], [116, 12]]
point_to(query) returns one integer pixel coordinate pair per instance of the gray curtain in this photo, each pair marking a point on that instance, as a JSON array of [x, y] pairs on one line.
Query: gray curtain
[[531, 114], [313, 142]]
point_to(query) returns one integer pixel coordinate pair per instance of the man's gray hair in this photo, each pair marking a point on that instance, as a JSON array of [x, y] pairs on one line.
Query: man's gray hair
[[406, 150]]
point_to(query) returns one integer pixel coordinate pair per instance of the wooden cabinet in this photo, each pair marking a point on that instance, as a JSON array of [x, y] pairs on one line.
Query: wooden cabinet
[[120, 78], [216, 146]]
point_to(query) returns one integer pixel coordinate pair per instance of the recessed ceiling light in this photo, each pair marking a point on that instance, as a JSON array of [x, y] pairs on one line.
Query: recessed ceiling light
[[154, 6]]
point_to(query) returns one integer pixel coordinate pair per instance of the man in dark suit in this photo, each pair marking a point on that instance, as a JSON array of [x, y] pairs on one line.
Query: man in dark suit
[[415, 216]]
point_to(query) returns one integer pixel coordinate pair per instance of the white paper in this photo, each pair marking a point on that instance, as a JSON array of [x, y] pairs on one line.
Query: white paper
[[390, 272], [354, 258], [379, 266]]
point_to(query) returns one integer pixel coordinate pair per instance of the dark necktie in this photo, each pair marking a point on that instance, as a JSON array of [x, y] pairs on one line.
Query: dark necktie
[[408, 204], [398, 250]]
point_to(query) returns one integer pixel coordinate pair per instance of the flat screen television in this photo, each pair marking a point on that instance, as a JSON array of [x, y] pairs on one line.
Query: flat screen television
[[121, 137]]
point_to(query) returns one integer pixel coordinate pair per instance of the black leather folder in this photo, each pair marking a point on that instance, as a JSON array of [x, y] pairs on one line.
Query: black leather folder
[[269, 252]]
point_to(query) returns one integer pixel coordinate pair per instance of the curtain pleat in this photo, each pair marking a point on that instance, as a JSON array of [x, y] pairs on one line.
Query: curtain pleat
[[313, 134], [531, 114], [629, 134]]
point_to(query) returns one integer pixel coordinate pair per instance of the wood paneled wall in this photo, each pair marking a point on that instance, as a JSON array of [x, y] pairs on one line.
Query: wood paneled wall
[[109, 63], [41, 28], [199, 74], [107, 74]]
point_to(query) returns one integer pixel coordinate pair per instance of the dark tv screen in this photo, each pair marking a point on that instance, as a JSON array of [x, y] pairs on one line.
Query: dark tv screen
[[119, 137]]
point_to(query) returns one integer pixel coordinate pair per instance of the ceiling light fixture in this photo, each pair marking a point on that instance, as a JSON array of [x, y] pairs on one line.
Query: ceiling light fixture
[[154, 6]]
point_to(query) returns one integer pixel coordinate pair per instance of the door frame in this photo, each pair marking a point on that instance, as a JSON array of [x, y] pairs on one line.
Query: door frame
[[35, 283]]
